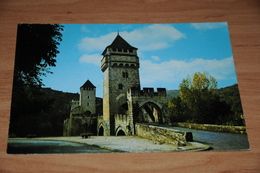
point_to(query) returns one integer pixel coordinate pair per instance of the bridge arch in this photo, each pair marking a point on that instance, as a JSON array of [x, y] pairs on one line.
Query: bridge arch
[[150, 101], [150, 111]]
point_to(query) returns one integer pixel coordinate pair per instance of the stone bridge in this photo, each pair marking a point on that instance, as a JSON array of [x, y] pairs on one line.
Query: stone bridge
[[143, 106]]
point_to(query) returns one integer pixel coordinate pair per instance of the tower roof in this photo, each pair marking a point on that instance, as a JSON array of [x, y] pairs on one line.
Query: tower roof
[[87, 84], [119, 42]]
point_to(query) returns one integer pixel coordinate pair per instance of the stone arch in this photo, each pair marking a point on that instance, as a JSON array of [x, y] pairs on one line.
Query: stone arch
[[101, 130], [115, 65], [150, 101], [120, 131], [150, 111]]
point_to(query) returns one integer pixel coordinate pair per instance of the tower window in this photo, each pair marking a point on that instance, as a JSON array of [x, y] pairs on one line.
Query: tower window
[[120, 86], [125, 74]]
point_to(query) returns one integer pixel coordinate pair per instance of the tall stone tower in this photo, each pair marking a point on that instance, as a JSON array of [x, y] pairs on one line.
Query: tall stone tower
[[87, 99], [120, 67]]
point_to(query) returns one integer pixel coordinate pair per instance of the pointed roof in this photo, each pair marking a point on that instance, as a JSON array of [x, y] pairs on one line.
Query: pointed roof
[[119, 42], [87, 84]]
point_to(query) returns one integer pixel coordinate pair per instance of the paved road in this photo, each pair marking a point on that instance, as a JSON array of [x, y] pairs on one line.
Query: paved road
[[30, 146], [218, 141]]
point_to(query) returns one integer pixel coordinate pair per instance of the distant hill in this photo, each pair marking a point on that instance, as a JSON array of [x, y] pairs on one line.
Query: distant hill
[[60, 109], [172, 93], [231, 96], [61, 100]]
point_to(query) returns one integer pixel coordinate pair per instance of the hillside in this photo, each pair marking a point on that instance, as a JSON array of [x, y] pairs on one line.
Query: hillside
[[172, 93]]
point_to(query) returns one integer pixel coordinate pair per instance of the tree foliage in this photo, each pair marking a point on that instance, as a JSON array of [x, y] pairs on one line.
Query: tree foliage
[[198, 94], [36, 50], [201, 102]]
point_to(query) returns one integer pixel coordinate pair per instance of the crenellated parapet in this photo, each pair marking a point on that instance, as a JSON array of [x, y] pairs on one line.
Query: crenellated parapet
[[121, 119], [74, 104], [147, 105], [147, 92]]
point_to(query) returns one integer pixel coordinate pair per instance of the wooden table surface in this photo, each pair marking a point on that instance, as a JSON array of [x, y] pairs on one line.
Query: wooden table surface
[[243, 17]]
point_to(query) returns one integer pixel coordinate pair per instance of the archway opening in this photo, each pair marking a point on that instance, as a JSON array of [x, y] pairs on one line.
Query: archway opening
[[101, 131], [149, 113], [120, 133]]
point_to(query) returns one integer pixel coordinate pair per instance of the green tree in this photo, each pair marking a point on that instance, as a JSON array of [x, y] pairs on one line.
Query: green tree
[[36, 50], [198, 94], [177, 110]]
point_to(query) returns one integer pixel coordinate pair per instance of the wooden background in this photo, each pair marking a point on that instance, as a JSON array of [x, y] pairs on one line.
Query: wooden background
[[243, 17]]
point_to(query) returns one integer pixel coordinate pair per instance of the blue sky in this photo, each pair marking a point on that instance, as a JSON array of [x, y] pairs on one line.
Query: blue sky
[[167, 54]]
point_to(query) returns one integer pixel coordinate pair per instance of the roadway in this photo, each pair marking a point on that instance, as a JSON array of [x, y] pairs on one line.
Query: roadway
[[217, 140], [32, 146]]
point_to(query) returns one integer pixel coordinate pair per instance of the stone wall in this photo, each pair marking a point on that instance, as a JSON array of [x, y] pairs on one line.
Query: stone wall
[[214, 128], [163, 135]]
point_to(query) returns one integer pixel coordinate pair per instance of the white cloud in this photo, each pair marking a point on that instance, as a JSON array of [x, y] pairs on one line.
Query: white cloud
[[84, 28], [152, 37], [174, 71], [205, 26], [92, 59], [96, 44], [156, 58]]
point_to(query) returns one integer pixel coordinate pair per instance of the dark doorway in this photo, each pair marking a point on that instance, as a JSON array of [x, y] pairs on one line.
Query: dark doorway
[[120, 133], [101, 131]]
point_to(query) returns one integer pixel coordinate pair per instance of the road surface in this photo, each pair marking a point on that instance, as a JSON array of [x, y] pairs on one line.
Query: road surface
[[217, 140], [30, 146]]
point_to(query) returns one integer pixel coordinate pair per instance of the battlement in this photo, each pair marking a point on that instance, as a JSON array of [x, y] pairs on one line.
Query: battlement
[[149, 92], [121, 118], [74, 104]]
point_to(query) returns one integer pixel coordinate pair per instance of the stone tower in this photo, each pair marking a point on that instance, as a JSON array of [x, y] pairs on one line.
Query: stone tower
[[120, 67], [87, 99], [83, 114]]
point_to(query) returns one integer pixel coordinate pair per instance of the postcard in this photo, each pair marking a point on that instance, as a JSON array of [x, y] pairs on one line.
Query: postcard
[[125, 88]]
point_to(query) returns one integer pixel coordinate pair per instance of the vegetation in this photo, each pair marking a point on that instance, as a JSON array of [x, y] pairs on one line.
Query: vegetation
[[36, 50], [201, 102], [43, 113]]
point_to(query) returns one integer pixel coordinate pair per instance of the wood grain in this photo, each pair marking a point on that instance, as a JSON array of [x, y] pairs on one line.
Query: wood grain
[[244, 24]]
